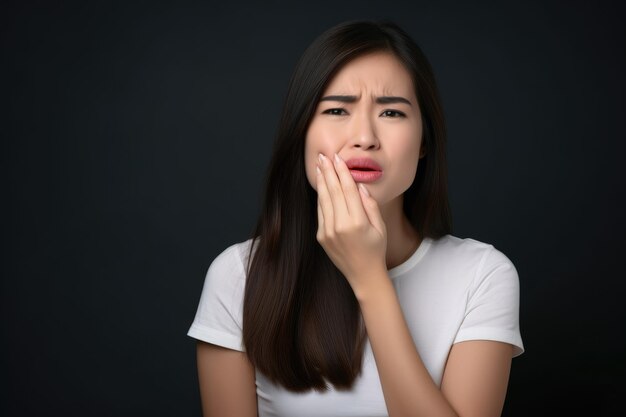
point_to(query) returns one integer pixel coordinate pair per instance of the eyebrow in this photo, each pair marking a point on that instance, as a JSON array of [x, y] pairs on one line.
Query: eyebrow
[[379, 100]]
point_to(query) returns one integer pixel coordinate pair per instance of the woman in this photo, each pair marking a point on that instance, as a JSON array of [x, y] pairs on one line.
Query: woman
[[352, 298]]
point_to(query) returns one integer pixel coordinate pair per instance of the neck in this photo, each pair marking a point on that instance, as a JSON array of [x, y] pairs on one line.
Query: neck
[[402, 238]]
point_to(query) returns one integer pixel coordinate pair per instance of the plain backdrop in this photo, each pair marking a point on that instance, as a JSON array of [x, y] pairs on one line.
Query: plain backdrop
[[136, 135]]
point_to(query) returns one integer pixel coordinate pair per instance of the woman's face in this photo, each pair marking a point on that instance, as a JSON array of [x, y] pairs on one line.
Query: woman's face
[[369, 110]]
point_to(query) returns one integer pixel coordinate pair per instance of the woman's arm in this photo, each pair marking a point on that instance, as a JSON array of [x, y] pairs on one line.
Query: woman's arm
[[353, 233], [475, 378], [227, 382]]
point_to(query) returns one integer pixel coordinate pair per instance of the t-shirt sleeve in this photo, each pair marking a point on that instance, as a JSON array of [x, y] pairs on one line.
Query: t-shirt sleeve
[[492, 311], [219, 315]]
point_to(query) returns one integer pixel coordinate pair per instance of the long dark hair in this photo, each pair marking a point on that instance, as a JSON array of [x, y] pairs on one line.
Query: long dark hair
[[302, 324]]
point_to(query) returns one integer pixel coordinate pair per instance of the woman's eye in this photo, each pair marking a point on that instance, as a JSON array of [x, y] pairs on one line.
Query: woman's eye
[[334, 112], [393, 113]]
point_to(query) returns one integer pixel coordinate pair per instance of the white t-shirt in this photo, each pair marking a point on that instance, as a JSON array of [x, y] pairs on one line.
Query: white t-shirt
[[450, 290]]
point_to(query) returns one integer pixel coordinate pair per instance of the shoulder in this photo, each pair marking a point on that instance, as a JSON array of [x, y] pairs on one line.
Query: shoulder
[[491, 294], [464, 251], [219, 315], [229, 266], [235, 253], [470, 261], [486, 267]]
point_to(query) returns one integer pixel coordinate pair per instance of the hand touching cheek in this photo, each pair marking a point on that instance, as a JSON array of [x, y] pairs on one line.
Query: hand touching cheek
[[350, 227]]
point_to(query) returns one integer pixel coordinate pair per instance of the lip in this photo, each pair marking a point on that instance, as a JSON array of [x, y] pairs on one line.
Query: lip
[[365, 176], [367, 163], [364, 169]]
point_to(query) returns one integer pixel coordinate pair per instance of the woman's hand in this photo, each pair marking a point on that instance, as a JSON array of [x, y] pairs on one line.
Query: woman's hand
[[350, 227]]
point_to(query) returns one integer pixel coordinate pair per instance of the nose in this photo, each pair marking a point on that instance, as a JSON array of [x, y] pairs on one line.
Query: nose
[[364, 133]]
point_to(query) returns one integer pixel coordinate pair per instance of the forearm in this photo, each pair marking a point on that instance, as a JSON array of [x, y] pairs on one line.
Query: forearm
[[407, 386]]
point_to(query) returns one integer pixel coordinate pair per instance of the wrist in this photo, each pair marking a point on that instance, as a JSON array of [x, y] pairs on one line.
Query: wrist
[[373, 284]]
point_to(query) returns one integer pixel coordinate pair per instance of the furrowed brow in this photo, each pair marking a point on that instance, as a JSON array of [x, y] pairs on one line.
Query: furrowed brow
[[342, 99], [392, 100]]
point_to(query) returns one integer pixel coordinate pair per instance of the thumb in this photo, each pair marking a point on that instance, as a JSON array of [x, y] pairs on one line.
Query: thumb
[[372, 210]]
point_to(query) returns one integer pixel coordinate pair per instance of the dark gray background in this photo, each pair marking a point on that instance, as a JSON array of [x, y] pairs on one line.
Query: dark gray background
[[135, 139]]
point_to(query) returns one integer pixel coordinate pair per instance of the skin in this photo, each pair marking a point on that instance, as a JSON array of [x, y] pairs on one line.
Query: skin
[[364, 232], [227, 382], [391, 134]]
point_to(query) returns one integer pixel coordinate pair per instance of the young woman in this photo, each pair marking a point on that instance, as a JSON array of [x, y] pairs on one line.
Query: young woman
[[352, 297]]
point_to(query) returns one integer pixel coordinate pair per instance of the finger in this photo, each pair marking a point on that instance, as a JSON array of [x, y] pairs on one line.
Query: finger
[[335, 191], [350, 191], [324, 201], [372, 210]]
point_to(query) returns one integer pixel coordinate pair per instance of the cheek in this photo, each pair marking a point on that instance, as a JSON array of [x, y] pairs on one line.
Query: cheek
[[317, 140], [407, 158], [411, 168]]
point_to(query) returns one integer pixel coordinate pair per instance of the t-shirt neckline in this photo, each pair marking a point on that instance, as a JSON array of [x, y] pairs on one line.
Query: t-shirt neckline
[[413, 259]]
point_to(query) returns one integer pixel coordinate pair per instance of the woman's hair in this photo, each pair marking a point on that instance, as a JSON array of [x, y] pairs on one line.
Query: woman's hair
[[302, 324]]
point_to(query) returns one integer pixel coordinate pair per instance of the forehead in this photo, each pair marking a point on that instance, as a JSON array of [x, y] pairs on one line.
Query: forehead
[[377, 73]]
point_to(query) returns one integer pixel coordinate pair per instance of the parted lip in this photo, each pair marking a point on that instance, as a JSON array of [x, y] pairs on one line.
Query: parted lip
[[363, 164]]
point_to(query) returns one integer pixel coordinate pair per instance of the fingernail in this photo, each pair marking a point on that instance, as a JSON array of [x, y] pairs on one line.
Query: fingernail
[[362, 187], [337, 158], [321, 158], [318, 170]]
